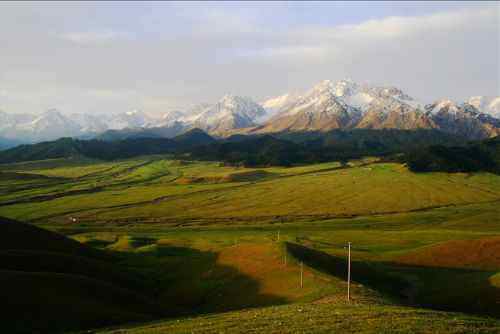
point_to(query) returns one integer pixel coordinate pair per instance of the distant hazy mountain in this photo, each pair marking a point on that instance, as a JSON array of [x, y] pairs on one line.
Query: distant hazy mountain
[[53, 124], [129, 119], [6, 143], [90, 123], [46, 126]]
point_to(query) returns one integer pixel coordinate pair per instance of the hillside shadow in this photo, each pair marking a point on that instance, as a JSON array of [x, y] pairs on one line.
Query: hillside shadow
[[187, 281], [448, 289]]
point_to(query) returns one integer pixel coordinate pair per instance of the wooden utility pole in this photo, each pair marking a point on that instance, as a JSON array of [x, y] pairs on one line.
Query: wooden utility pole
[[349, 271], [301, 274]]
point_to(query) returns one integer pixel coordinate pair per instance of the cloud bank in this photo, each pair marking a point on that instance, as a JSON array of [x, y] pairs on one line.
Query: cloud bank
[[112, 57]]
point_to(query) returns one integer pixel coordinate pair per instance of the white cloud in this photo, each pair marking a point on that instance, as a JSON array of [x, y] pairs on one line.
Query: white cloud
[[201, 53], [94, 37], [313, 40]]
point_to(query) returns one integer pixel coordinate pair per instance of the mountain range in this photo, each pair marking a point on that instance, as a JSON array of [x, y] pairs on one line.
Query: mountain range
[[348, 105], [343, 105]]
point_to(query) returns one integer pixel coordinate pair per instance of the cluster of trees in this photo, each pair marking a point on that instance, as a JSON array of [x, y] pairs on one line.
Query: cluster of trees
[[285, 149], [97, 149], [473, 157], [423, 150]]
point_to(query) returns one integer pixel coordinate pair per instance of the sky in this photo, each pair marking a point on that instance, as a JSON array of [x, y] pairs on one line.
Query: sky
[[109, 57]]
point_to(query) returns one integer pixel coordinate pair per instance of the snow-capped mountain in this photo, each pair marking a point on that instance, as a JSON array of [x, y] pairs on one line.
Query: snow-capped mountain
[[53, 124], [328, 105], [486, 104], [274, 105], [46, 126], [318, 109], [170, 117], [463, 119], [346, 105], [129, 119], [90, 123], [229, 113]]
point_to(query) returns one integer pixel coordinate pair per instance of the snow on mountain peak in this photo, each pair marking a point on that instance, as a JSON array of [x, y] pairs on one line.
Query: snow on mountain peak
[[327, 105], [230, 112], [486, 104], [346, 87], [325, 86], [133, 112], [442, 104]]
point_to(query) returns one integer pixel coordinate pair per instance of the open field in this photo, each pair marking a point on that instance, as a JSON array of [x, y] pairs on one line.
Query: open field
[[158, 189], [212, 238]]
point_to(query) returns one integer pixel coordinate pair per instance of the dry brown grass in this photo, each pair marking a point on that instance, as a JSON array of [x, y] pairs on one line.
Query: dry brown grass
[[264, 263], [479, 253]]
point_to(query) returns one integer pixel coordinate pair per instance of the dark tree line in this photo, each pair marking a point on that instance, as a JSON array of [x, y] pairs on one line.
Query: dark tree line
[[422, 150], [473, 157]]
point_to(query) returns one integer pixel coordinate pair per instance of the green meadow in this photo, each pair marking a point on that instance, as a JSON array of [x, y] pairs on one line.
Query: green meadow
[[220, 247]]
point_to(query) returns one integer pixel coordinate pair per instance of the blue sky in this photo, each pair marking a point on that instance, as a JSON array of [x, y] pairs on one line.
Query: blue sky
[[158, 56]]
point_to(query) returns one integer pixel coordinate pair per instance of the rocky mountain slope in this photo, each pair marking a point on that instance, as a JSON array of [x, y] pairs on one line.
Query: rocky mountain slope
[[348, 105], [231, 112], [486, 104]]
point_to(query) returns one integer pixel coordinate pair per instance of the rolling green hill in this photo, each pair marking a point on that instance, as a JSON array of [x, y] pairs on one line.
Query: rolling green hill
[[322, 318]]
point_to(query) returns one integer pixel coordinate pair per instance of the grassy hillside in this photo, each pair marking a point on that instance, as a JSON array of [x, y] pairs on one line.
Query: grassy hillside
[[51, 283], [323, 318]]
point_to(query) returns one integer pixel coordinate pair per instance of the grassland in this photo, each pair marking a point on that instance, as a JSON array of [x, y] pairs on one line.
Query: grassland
[[163, 190], [206, 236], [322, 318]]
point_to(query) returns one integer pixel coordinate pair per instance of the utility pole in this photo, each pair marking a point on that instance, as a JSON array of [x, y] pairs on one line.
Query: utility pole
[[349, 272], [301, 274], [278, 235]]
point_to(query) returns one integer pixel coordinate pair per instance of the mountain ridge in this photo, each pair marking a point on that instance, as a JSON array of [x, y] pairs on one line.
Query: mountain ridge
[[328, 105]]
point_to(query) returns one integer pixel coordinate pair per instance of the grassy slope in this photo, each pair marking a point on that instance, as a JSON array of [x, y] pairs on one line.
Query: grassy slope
[[52, 302], [51, 283], [215, 272], [322, 318], [160, 189]]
